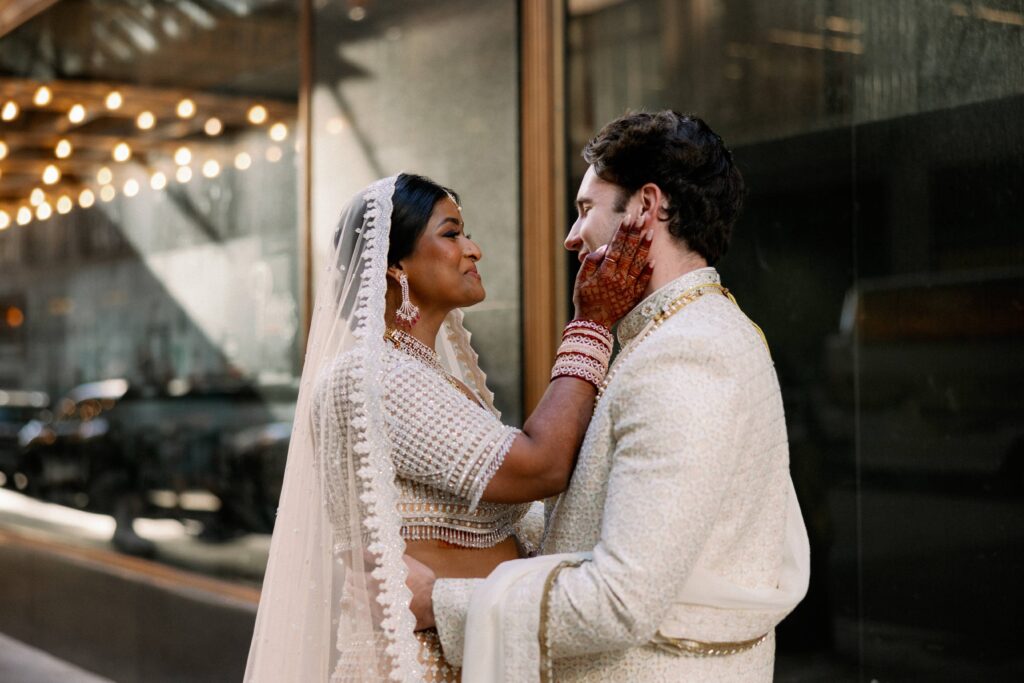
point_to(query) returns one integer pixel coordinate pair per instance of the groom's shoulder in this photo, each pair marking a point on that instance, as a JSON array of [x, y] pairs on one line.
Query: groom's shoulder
[[711, 328]]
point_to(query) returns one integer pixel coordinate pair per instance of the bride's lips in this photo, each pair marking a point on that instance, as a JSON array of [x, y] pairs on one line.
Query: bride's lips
[[473, 272]]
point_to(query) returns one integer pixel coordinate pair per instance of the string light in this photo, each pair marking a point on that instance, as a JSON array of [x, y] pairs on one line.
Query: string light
[[186, 109], [158, 181], [51, 174], [10, 111], [122, 152], [5, 220], [76, 114], [257, 114], [44, 211], [183, 174], [213, 126], [145, 120], [211, 169], [114, 100], [243, 161], [107, 193], [3, 149], [63, 149], [182, 156], [86, 198], [278, 132], [42, 97], [37, 197], [274, 154], [24, 216], [64, 205], [104, 176], [131, 187]]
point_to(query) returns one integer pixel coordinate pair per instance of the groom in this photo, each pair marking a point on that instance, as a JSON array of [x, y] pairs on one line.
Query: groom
[[688, 545]]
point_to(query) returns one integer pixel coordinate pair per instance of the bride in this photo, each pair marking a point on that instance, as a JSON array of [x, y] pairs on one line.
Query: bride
[[398, 456]]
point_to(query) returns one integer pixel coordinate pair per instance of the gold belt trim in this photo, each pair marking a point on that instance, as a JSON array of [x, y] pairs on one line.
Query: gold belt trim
[[696, 648]]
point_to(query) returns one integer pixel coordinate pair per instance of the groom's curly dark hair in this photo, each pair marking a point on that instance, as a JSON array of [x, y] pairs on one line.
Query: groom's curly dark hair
[[689, 163]]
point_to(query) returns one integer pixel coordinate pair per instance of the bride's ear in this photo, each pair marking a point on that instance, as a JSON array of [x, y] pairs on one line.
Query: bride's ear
[[394, 271]]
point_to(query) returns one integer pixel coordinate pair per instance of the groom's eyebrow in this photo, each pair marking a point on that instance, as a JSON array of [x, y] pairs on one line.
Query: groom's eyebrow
[[580, 201]]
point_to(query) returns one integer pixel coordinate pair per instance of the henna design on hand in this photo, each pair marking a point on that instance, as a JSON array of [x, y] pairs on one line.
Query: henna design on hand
[[613, 279]]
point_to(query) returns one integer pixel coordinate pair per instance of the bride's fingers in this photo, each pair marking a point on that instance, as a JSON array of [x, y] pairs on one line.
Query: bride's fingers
[[590, 264], [639, 260], [619, 243]]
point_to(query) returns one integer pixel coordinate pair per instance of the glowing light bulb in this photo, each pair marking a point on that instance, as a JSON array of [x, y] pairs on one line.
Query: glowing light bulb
[[107, 193], [243, 161], [104, 176], [5, 220], [3, 149], [211, 169], [51, 174], [145, 120], [186, 108], [76, 114], [274, 154], [158, 181], [183, 174], [37, 197], [257, 114], [86, 198], [114, 100], [63, 149], [10, 112], [182, 156], [122, 152], [278, 132], [131, 187], [64, 205], [42, 97], [213, 126], [24, 216], [44, 211]]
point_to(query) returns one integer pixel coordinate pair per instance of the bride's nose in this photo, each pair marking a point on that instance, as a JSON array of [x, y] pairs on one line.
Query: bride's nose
[[473, 251]]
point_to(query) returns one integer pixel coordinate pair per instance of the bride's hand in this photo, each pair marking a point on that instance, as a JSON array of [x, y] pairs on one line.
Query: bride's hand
[[420, 581], [613, 279]]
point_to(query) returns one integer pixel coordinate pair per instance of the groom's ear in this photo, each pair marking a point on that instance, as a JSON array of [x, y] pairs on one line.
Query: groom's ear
[[650, 201]]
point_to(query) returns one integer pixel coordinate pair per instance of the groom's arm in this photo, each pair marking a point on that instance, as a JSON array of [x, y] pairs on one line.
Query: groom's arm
[[451, 604], [675, 427]]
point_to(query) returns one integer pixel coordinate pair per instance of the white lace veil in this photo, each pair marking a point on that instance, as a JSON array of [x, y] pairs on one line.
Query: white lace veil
[[334, 605]]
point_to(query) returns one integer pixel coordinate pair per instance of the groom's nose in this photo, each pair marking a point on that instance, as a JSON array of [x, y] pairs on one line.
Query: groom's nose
[[573, 242]]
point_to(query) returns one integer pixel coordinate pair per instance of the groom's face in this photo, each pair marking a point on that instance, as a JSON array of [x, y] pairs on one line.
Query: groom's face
[[600, 208]]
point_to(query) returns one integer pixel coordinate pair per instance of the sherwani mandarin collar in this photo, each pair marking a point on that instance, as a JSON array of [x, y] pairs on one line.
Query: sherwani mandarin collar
[[644, 312]]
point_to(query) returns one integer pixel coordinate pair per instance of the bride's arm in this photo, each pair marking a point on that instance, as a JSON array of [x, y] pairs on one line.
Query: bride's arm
[[541, 459]]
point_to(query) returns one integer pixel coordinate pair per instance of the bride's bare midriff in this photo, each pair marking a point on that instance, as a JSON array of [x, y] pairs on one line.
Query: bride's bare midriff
[[450, 561]]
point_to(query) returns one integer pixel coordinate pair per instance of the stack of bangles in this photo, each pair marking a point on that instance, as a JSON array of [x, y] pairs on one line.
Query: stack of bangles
[[585, 352]]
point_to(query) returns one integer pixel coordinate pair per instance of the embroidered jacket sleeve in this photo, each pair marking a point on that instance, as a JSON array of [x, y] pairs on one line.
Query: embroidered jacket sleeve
[[441, 437], [672, 462]]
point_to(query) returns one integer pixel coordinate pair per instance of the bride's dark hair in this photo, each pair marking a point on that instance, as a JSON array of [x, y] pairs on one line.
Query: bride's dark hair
[[412, 202]]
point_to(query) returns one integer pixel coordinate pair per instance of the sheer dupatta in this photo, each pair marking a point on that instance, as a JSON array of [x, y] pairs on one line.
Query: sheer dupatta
[[334, 605]]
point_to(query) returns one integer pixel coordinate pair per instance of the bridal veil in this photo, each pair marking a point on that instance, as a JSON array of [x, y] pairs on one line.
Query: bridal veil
[[334, 605]]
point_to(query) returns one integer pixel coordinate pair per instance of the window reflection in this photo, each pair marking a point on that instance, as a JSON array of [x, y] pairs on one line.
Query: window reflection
[[880, 250], [151, 278]]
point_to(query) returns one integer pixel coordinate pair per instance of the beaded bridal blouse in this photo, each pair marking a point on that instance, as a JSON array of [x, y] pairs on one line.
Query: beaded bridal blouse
[[446, 448]]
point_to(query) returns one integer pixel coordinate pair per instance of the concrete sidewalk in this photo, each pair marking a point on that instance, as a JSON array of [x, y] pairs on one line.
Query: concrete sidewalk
[[21, 663]]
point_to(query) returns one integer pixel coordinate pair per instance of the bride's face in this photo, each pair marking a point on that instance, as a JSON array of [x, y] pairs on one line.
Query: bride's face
[[442, 267]]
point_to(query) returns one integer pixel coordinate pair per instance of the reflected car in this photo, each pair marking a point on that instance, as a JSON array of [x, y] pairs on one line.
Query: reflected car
[[212, 453], [17, 408]]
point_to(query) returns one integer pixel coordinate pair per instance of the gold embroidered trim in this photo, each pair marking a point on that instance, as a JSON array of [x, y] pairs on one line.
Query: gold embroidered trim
[[547, 673], [696, 648]]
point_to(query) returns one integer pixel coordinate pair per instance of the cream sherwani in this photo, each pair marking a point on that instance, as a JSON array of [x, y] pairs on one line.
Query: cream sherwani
[[682, 482]]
